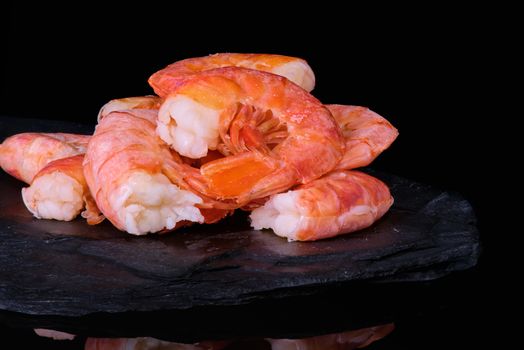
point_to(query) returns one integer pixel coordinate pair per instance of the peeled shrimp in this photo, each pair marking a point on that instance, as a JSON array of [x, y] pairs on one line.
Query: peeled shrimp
[[295, 69], [120, 104], [137, 181], [274, 133], [341, 202], [24, 155], [59, 191], [367, 134]]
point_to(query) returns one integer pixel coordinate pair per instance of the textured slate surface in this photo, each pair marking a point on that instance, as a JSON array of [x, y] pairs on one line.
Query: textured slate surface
[[72, 269]]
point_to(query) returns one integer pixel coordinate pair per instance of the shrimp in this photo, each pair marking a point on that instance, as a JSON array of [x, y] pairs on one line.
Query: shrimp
[[341, 202], [367, 134], [139, 102], [52, 165], [138, 183], [59, 191], [295, 69], [23, 155], [274, 133]]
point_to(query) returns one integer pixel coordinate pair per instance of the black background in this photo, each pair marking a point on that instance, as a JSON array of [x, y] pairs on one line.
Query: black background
[[420, 70]]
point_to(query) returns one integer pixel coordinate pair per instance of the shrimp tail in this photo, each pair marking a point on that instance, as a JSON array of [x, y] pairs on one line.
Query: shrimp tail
[[213, 215], [240, 176]]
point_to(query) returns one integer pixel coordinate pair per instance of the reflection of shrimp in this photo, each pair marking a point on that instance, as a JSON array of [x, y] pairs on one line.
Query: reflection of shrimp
[[349, 340], [129, 171], [147, 343], [139, 102], [56, 335], [340, 202], [23, 155], [295, 69], [244, 111], [367, 134], [59, 191]]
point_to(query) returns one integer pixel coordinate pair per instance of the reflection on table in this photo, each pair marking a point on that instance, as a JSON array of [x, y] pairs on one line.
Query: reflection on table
[[352, 339]]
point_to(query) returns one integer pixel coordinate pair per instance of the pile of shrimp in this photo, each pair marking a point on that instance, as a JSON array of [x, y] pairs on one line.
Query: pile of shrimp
[[223, 132]]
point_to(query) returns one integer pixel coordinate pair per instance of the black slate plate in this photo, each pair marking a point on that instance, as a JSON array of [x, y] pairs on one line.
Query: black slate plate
[[72, 269]]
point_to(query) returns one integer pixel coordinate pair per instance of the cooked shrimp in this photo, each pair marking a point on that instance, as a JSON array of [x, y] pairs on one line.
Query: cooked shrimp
[[274, 133], [59, 191], [295, 69], [23, 155], [340, 202], [121, 104], [138, 183], [367, 134]]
